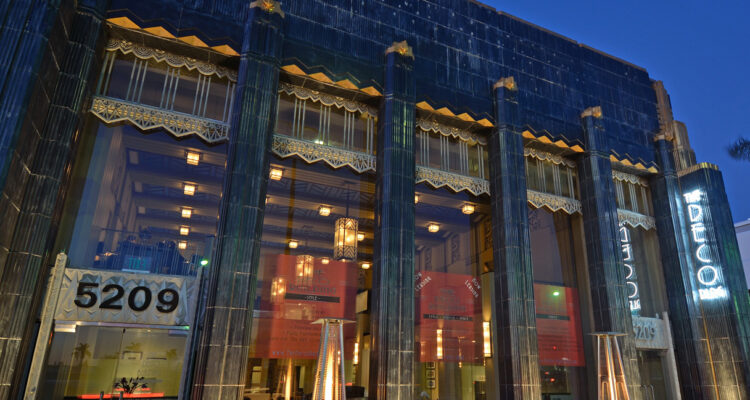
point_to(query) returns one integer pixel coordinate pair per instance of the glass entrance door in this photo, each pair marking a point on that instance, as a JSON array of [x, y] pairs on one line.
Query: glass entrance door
[[652, 375], [85, 361]]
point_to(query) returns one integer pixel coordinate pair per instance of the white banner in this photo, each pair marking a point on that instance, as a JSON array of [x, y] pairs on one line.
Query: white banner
[[113, 296]]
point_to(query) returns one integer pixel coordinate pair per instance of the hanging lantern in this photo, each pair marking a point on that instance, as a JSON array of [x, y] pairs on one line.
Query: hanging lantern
[[278, 289], [345, 239], [304, 270]]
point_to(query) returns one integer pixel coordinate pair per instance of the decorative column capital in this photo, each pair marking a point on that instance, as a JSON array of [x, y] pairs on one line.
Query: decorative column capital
[[595, 112], [269, 6], [507, 83], [401, 48], [663, 136]]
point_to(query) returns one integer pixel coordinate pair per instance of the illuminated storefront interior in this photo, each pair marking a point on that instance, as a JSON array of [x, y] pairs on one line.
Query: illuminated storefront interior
[[225, 198]]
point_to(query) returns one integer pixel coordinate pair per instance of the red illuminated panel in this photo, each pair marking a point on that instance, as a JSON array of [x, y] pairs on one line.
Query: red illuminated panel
[[558, 326], [296, 292], [449, 321], [125, 396]]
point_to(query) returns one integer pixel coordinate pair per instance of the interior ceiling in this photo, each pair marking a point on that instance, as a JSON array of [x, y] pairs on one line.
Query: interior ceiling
[[159, 173]]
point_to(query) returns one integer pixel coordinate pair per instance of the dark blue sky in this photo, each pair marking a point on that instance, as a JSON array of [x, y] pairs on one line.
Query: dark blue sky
[[700, 49]]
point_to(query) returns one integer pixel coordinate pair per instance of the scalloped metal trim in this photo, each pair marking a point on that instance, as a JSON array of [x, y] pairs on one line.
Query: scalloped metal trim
[[445, 130], [146, 117], [553, 202], [437, 179], [545, 156], [626, 177], [635, 219], [326, 99], [172, 60], [285, 146]]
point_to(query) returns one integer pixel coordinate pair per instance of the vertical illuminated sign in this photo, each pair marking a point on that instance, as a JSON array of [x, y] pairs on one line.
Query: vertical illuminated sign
[[708, 273], [634, 298]]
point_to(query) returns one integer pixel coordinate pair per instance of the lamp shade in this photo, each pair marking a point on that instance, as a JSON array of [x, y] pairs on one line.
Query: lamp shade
[[345, 239], [304, 270]]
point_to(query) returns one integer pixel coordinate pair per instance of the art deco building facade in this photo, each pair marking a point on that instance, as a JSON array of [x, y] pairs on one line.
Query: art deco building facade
[[392, 199]]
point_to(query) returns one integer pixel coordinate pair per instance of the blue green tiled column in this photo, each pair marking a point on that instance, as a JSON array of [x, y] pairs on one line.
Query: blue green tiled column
[[717, 289], [225, 343], [515, 360], [392, 317], [611, 311], [45, 124], [694, 374], [25, 58]]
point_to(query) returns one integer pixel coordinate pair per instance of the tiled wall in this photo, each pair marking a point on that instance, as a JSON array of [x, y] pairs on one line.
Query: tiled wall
[[461, 48]]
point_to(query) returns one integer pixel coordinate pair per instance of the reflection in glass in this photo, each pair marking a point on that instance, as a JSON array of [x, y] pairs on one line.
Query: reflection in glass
[[558, 316], [312, 280], [93, 359], [137, 204], [453, 260]]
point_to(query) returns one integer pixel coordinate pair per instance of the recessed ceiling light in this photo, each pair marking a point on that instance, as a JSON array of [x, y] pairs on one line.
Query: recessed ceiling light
[[360, 237], [189, 189], [293, 244], [184, 230], [433, 227], [193, 158], [182, 245], [276, 173], [324, 211], [186, 212], [365, 265], [468, 209]]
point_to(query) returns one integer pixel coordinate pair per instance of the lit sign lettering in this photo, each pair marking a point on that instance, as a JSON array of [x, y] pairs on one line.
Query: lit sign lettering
[[630, 275], [708, 274]]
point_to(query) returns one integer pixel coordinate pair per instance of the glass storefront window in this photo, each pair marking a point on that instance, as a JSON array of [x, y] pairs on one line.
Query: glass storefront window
[[633, 197], [450, 153], [556, 259], [549, 177], [640, 251], [453, 263], [145, 203], [157, 84], [316, 260], [331, 125], [138, 203], [85, 361]]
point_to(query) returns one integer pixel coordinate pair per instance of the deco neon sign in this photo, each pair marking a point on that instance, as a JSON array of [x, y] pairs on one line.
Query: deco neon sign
[[708, 273], [630, 277]]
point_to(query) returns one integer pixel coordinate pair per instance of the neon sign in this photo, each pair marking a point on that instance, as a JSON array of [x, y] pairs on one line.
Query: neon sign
[[630, 277], [708, 274]]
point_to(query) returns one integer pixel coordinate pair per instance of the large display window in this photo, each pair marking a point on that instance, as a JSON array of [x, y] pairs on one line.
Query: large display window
[[139, 222], [644, 275], [557, 262], [453, 264], [316, 258], [142, 202], [88, 361]]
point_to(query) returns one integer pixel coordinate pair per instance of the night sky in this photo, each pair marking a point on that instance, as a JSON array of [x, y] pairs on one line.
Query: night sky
[[701, 50]]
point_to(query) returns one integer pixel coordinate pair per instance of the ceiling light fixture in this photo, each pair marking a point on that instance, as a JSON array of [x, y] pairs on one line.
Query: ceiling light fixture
[[468, 209], [276, 173], [193, 158]]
